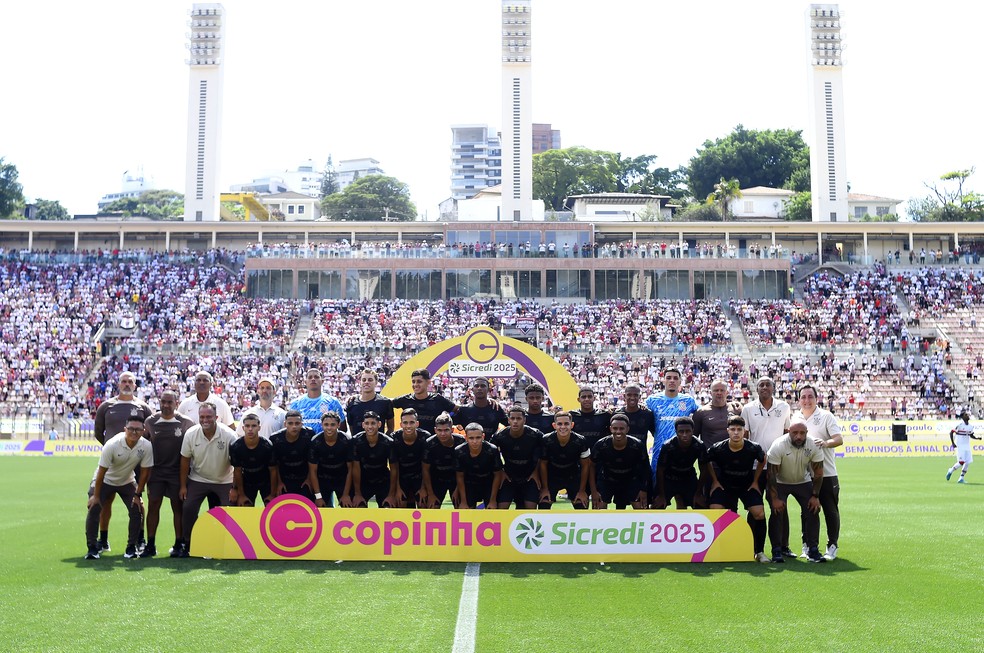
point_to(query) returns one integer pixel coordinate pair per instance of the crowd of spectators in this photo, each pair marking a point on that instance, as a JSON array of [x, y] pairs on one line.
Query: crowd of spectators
[[618, 325], [367, 249], [863, 386], [856, 310], [941, 289], [186, 311]]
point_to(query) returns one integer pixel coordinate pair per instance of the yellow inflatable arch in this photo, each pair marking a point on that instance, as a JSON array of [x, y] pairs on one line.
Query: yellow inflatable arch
[[483, 352]]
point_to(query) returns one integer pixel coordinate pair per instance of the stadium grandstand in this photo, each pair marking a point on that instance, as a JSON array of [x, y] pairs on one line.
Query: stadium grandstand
[[884, 319]]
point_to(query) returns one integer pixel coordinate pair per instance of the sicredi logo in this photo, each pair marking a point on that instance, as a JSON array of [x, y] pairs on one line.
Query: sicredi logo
[[529, 533], [572, 533]]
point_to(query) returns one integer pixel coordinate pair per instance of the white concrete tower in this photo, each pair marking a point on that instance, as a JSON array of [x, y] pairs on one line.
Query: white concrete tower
[[828, 167], [204, 112], [517, 111]]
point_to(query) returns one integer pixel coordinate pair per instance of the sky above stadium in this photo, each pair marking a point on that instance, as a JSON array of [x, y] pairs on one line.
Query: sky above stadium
[[97, 88]]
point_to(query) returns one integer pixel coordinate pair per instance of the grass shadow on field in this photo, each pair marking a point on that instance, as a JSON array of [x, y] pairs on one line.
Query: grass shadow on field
[[274, 567], [640, 570]]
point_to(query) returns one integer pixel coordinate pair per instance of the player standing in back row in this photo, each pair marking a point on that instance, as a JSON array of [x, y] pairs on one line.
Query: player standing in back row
[[667, 406]]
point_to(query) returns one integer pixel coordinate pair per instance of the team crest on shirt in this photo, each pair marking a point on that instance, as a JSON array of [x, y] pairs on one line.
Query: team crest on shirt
[[682, 405], [220, 445], [178, 433], [324, 408]]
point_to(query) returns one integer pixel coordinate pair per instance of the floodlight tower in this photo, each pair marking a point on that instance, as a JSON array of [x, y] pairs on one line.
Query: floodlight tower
[[828, 169], [205, 81], [517, 111]]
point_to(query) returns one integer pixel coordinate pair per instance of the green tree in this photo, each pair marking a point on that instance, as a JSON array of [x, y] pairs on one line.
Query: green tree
[[51, 210], [236, 209], [724, 191], [799, 181], [11, 191], [949, 201], [329, 181], [888, 217], [154, 204], [558, 174], [641, 175], [799, 207], [373, 197], [698, 212], [754, 158]]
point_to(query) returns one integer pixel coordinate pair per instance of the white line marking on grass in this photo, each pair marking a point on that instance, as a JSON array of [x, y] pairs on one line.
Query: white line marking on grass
[[464, 630]]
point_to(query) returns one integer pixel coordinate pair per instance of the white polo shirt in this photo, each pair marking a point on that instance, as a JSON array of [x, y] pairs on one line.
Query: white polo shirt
[[794, 462], [120, 460], [766, 425], [822, 424], [209, 458], [189, 408], [271, 419]]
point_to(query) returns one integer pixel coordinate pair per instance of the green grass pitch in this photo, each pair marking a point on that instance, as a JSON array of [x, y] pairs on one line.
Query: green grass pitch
[[910, 578]]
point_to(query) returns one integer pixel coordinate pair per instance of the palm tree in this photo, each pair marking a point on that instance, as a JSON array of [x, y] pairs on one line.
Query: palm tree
[[724, 192]]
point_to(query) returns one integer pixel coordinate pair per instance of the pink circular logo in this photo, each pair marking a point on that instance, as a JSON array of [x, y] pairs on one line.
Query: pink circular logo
[[290, 525]]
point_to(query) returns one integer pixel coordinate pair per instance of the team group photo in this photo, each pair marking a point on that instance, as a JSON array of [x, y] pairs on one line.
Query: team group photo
[[417, 313]]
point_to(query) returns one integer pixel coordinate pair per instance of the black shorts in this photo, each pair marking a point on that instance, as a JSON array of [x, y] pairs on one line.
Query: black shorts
[[621, 493], [297, 486], [476, 494], [570, 485], [158, 488], [378, 488], [255, 493], [442, 489], [411, 485], [729, 498], [329, 487], [685, 488], [518, 491]]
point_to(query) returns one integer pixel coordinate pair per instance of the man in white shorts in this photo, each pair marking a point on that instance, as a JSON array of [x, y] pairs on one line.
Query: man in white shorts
[[960, 437]]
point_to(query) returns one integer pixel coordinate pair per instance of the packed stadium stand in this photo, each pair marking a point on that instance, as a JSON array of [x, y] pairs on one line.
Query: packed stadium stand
[[880, 339]]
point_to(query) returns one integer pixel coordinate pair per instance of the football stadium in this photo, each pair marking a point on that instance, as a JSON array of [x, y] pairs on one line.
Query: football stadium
[[267, 417]]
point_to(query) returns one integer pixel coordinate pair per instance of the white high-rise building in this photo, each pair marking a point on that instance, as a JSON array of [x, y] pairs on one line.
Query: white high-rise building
[[476, 160], [351, 169], [204, 112], [517, 111], [828, 168]]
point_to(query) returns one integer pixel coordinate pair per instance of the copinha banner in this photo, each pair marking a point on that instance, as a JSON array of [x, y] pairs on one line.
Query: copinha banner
[[292, 527]]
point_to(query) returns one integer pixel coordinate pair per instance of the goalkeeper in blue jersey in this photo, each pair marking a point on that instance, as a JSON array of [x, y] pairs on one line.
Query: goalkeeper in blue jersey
[[667, 406], [315, 404]]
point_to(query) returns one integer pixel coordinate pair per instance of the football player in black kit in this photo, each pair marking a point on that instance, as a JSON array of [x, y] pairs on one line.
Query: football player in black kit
[[253, 466], [736, 468], [427, 404], [407, 457], [589, 423], [290, 455], [520, 446], [564, 464], [368, 399], [371, 472], [621, 468], [439, 463], [642, 422], [536, 417], [675, 475], [482, 411], [330, 464], [479, 469]]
